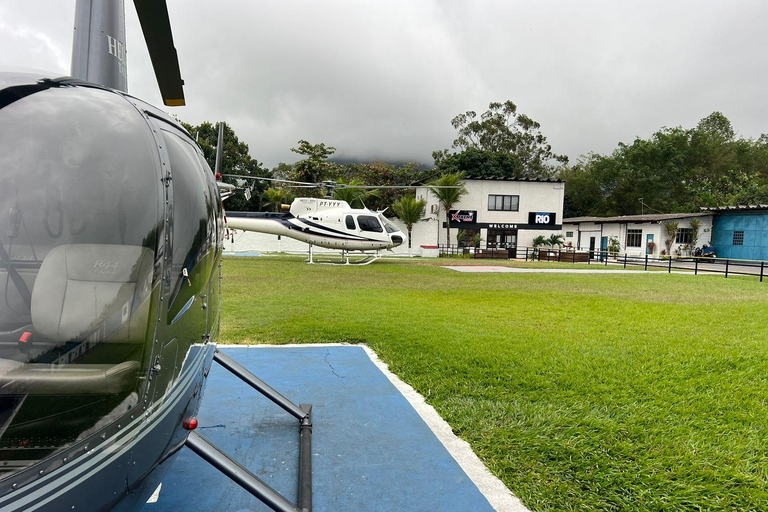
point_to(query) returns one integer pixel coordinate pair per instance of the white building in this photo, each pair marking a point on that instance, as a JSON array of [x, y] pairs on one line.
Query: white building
[[506, 213], [637, 234]]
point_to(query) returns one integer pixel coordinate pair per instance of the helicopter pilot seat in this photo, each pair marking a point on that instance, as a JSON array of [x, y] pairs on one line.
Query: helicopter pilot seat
[[92, 302]]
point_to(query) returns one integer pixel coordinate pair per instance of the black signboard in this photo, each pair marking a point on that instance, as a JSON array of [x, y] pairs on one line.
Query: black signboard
[[542, 218]]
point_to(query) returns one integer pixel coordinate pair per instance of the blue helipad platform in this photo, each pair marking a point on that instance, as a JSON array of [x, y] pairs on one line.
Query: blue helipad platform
[[371, 451]]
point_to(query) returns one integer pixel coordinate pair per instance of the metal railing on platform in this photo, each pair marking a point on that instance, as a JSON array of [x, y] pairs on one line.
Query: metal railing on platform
[[695, 264]]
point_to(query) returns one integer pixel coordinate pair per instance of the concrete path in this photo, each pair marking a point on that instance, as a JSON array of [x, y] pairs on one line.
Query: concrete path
[[376, 445], [484, 268]]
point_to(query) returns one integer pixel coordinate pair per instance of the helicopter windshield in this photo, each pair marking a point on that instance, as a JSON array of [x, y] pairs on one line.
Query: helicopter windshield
[[391, 228], [79, 218]]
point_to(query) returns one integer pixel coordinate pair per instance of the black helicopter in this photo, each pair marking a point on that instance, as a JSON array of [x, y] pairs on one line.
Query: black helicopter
[[111, 235]]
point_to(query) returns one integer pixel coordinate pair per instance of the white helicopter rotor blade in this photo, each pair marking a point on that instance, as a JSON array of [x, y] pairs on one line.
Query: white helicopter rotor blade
[[263, 178]]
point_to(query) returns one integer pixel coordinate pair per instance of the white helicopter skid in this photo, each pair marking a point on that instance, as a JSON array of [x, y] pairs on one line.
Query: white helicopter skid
[[366, 259]]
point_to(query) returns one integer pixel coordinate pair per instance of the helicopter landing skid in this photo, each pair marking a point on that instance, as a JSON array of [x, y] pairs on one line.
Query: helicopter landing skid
[[345, 259], [239, 474]]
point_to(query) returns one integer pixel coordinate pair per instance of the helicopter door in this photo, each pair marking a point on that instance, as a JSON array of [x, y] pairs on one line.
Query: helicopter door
[[193, 244]]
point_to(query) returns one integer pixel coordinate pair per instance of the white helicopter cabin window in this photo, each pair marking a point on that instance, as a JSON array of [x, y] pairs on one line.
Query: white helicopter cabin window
[[350, 220], [391, 228], [369, 223]]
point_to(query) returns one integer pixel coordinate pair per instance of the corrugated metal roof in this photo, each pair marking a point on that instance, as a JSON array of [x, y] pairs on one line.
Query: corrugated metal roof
[[480, 178], [739, 208], [654, 217]]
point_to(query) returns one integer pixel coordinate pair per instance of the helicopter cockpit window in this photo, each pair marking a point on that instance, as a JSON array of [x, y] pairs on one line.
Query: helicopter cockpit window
[[350, 220], [391, 228], [79, 218], [369, 223]]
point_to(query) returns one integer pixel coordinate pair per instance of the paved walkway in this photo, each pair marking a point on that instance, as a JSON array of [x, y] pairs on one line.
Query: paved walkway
[[375, 444], [485, 268]]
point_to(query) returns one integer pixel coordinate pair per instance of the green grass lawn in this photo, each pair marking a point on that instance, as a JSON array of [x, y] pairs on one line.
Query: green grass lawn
[[581, 392]]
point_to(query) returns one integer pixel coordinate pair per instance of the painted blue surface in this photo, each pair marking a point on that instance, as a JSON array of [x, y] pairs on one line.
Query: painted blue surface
[[755, 228], [370, 449], [241, 253]]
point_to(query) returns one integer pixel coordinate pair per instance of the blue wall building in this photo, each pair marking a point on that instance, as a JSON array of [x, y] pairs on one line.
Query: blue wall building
[[740, 232]]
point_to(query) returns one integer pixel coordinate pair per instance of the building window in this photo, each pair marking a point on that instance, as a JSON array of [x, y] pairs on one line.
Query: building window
[[569, 234], [684, 236], [738, 238], [634, 237], [503, 203]]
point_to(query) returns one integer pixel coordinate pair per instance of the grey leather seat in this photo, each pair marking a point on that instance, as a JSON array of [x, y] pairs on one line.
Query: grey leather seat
[[93, 295]]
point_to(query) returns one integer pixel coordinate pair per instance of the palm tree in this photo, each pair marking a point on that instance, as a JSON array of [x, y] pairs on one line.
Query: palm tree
[[670, 228], [409, 210], [354, 195], [448, 189], [537, 242], [276, 197], [556, 240]]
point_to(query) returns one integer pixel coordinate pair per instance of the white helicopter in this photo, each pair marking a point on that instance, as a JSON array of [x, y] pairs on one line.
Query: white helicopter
[[324, 222], [328, 223]]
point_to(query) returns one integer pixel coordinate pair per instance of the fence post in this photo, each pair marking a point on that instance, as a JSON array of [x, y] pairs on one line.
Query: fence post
[[625, 260], [605, 257], [726, 268], [559, 253], [670, 264], [696, 266], [762, 266], [646, 263], [526, 254]]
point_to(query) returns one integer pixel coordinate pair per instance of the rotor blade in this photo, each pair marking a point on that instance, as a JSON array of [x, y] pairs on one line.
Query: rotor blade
[[334, 185], [156, 25], [220, 149], [394, 186], [299, 183]]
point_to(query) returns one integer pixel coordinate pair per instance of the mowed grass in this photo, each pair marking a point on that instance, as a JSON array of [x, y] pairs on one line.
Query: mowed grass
[[581, 392]]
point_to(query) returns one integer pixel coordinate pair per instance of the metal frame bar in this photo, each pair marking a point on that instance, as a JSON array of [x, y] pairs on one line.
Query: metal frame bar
[[239, 474]]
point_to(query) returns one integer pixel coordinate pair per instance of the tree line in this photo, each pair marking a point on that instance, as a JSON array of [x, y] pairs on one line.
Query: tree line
[[675, 170]]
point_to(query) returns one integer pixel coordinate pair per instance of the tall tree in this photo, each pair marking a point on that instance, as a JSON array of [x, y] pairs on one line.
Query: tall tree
[[315, 167], [355, 197], [236, 160], [383, 174], [449, 189], [501, 130], [674, 170], [409, 210]]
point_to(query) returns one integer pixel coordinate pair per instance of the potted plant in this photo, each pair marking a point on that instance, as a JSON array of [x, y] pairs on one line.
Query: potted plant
[[614, 246]]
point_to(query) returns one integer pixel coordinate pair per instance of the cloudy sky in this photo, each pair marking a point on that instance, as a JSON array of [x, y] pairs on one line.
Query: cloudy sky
[[383, 79]]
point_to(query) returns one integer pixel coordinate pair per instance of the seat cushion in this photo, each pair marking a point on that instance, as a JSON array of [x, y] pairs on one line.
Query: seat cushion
[[79, 286]]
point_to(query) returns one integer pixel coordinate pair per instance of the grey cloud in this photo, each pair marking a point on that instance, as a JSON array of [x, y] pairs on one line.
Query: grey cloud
[[384, 79]]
